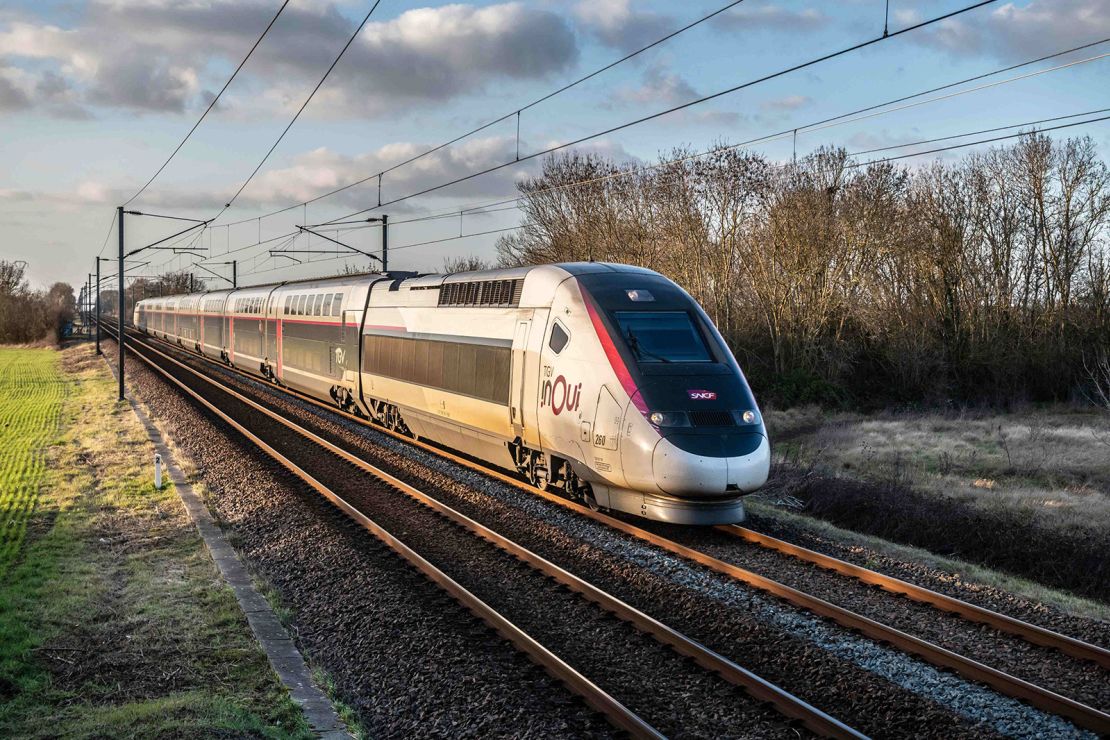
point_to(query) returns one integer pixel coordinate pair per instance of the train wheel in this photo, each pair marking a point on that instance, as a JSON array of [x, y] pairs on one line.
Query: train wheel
[[395, 422], [536, 471]]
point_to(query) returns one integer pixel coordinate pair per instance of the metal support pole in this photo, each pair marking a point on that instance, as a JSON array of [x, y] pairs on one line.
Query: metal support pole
[[385, 243], [119, 220], [86, 307], [192, 282], [98, 307], [235, 273]]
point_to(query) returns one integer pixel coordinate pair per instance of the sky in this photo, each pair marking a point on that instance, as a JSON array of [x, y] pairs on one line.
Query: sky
[[95, 95]]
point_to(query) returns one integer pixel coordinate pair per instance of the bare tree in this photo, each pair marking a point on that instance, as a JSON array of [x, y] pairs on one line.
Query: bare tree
[[469, 263]]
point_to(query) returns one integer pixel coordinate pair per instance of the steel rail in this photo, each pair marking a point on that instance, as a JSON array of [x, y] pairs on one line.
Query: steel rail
[[1039, 697], [758, 688], [614, 711], [1003, 622], [971, 612]]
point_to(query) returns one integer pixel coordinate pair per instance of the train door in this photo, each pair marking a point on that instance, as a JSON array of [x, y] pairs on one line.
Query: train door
[[516, 392], [349, 338], [272, 335]]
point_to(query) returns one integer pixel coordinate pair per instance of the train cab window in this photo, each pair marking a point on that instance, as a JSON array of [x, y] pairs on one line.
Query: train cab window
[[337, 302], [662, 336], [559, 338]]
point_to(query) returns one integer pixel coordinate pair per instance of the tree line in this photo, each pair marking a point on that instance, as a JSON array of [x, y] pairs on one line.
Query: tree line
[[28, 315], [983, 279]]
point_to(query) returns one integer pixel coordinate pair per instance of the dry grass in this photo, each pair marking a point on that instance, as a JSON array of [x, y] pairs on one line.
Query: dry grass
[[1033, 486]]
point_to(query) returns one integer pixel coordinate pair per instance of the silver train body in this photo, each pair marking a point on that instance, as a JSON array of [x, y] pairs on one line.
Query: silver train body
[[606, 381]]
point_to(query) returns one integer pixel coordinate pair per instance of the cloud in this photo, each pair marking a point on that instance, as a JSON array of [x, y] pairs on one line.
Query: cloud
[[771, 18], [13, 92], [614, 23], [788, 103], [1012, 32], [167, 56], [659, 86], [660, 89]]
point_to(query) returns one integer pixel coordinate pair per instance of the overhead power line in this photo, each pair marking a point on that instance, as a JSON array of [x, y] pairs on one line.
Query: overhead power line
[[304, 105], [853, 116], [515, 112], [854, 164], [676, 108], [986, 131], [111, 230], [979, 141], [211, 105]]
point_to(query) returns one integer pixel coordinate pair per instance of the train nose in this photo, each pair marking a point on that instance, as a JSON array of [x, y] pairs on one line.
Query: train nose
[[711, 465]]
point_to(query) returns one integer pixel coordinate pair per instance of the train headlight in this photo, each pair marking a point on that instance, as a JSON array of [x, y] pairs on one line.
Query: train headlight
[[668, 419], [749, 417]]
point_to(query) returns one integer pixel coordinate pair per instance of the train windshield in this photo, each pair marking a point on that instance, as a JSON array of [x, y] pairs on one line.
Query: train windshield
[[662, 336]]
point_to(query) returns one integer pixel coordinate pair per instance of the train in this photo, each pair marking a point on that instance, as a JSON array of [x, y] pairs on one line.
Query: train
[[607, 382]]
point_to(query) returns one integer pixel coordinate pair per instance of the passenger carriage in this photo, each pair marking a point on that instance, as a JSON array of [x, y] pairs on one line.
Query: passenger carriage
[[606, 381]]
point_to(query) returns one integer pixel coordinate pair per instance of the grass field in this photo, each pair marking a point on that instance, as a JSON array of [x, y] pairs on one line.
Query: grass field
[[113, 620], [31, 395], [1027, 492]]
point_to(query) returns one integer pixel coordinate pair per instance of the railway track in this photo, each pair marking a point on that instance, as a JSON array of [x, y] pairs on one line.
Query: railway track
[[715, 668], [1081, 714]]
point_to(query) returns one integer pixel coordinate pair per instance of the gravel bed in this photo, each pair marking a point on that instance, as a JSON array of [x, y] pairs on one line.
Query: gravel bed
[[879, 690], [404, 656], [1077, 679], [954, 584], [669, 691]]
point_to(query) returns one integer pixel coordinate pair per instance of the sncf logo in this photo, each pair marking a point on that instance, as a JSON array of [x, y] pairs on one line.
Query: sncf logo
[[702, 395], [560, 395]]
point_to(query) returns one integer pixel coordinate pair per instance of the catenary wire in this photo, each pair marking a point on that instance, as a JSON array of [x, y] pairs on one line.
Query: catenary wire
[[304, 105], [854, 116], [859, 164], [211, 105], [837, 120], [679, 107], [507, 116]]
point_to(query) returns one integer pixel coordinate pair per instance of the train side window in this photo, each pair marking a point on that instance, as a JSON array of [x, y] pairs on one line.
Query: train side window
[[326, 311], [300, 305], [318, 305], [559, 338], [337, 302]]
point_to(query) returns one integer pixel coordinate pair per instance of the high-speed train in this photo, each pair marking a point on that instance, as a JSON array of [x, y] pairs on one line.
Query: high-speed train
[[604, 380]]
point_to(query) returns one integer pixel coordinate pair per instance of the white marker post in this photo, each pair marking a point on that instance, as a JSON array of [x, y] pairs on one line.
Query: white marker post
[[158, 471]]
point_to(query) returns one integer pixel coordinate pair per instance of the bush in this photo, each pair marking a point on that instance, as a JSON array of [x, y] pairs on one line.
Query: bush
[[1021, 540]]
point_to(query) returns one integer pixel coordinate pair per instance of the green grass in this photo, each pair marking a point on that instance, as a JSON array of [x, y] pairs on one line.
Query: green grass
[[31, 395], [113, 620]]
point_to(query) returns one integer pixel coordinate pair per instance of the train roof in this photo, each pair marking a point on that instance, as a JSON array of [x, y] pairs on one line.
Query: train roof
[[415, 280]]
